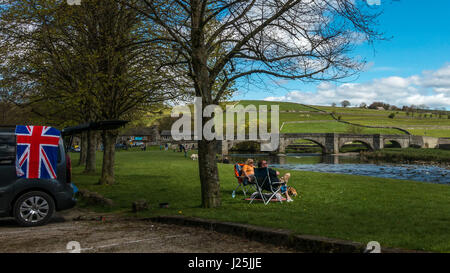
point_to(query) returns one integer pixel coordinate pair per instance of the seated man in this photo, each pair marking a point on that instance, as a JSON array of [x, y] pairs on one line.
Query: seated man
[[226, 160], [273, 175]]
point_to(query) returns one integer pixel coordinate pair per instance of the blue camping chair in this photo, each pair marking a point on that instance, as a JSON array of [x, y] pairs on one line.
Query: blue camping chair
[[266, 188]]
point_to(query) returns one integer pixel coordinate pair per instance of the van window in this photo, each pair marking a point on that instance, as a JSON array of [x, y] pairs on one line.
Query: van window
[[7, 153], [8, 150]]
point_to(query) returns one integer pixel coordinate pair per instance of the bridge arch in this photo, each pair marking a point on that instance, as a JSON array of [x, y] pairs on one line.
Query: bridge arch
[[365, 143], [319, 142], [393, 143]]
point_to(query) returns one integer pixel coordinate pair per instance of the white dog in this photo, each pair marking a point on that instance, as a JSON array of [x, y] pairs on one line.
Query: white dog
[[194, 156]]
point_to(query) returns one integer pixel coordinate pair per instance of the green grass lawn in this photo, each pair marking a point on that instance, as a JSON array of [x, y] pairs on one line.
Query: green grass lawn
[[395, 213]]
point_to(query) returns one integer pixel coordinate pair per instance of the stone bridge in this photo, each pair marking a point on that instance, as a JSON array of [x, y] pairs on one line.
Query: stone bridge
[[331, 143]]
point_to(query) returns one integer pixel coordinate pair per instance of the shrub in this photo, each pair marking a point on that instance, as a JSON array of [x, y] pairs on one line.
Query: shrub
[[247, 146], [357, 130], [392, 115]]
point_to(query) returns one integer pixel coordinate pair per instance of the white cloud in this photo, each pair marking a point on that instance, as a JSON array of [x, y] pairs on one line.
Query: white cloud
[[431, 88], [438, 80]]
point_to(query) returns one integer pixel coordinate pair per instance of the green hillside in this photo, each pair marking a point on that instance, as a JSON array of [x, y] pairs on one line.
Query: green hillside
[[284, 106], [299, 118]]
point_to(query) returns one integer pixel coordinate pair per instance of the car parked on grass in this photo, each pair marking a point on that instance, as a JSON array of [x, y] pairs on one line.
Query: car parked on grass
[[75, 149], [32, 202], [121, 146]]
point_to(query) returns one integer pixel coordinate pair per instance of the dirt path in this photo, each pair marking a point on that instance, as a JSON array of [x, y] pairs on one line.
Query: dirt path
[[114, 234]]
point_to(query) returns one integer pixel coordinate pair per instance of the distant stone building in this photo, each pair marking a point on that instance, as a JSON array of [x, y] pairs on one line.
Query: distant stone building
[[147, 135], [166, 136]]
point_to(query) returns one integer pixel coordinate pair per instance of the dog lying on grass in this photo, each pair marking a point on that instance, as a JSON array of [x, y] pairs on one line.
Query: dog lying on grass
[[292, 191]]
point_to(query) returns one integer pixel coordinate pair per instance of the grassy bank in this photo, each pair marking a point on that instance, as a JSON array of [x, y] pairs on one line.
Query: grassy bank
[[410, 154], [395, 213]]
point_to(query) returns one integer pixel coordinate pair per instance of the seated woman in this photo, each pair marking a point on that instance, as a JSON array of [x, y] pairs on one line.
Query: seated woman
[[248, 171], [274, 178]]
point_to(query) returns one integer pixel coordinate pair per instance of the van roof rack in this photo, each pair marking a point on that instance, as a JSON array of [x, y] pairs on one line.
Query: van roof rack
[[90, 126], [94, 126]]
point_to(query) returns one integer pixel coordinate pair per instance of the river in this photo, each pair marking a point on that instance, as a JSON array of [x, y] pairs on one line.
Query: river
[[345, 164]]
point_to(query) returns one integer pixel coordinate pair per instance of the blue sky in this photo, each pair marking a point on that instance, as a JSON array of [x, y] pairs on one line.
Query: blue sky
[[413, 67]]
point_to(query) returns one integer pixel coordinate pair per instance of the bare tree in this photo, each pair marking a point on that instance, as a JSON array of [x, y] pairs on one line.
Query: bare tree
[[218, 42]]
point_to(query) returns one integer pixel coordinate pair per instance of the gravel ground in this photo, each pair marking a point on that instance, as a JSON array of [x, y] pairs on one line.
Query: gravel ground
[[110, 233]]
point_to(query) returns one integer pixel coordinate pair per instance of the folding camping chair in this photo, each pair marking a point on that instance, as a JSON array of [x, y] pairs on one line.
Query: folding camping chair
[[240, 178], [264, 184]]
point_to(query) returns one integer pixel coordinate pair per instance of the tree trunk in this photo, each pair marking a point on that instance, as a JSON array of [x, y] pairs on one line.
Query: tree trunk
[[109, 141], [91, 149], [83, 149], [209, 174]]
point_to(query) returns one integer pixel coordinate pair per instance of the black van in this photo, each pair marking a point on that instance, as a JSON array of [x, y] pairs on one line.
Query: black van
[[32, 202]]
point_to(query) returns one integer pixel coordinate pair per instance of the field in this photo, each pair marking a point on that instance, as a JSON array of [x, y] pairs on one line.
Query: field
[[298, 118], [396, 213]]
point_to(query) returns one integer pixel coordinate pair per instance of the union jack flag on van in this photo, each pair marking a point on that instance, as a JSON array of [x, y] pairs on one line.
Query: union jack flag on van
[[37, 151]]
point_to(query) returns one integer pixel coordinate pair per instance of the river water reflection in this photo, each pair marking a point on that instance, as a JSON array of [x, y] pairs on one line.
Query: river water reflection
[[351, 165]]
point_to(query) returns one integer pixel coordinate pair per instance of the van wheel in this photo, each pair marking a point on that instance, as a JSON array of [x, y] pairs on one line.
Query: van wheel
[[34, 209]]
